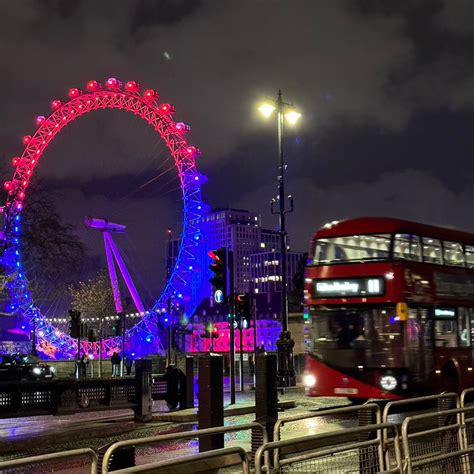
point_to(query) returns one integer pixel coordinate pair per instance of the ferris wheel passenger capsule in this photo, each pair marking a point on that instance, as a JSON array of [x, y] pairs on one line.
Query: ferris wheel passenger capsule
[[167, 109], [150, 94], [26, 139], [182, 127], [132, 86], [93, 86], [16, 161], [74, 92], [55, 104], [113, 83]]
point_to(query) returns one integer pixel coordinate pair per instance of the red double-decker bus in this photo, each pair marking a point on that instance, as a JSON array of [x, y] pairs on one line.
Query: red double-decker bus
[[391, 307]]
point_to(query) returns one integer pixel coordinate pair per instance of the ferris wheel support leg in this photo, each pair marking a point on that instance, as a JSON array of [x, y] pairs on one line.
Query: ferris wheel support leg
[[113, 274], [126, 276]]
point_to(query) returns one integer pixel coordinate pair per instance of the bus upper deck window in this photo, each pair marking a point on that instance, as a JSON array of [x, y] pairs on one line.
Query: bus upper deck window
[[432, 250], [453, 253], [469, 256]]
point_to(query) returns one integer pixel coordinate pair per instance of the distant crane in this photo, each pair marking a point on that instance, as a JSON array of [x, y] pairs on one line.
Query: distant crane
[[111, 251]]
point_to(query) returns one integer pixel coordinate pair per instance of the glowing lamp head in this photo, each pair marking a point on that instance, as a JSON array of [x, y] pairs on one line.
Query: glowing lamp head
[[93, 86], [40, 119], [266, 109], [74, 92], [167, 109], [55, 104], [132, 86], [19, 206], [113, 83], [150, 94], [26, 139], [292, 117], [21, 195]]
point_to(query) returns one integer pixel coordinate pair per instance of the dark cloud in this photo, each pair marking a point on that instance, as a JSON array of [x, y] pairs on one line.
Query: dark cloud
[[386, 89]]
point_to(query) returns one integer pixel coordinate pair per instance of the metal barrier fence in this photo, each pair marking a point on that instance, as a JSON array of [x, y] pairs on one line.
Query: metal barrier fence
[[442, 401], [437, 442], [202, 462], [178, 436], [372, 408], [34, 461], [341, 457]]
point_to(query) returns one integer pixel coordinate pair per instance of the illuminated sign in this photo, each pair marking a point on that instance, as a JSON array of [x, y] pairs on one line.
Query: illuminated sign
[[447, 313], [349, 287], [218, 296]]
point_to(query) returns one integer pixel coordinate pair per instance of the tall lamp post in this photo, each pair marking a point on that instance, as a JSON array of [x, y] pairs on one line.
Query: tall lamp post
[[286, 370]]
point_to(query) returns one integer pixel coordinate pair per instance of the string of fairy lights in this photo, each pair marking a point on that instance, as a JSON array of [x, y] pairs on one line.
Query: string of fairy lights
[[106, 318]]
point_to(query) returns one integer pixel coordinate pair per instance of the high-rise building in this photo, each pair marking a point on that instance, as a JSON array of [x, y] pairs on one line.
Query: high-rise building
[[265, 271]]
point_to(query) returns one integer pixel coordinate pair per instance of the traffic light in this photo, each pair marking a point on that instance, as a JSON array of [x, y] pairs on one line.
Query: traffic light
[[74, 323], [242, 310], [219, 279], [242, 305]]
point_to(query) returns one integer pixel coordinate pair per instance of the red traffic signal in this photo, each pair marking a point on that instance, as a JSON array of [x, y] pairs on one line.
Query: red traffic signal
[[219, 268]]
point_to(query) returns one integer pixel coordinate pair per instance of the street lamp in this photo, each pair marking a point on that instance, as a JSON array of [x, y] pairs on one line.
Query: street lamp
[[285, 344]]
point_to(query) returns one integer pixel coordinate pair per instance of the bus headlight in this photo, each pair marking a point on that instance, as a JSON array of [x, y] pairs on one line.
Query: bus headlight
[[388, 382], [52, 369], [309, 380], [37, 371]]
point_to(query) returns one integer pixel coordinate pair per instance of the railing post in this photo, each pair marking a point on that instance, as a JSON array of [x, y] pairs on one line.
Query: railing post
[[143, 409], [266, 397], [211, 400]]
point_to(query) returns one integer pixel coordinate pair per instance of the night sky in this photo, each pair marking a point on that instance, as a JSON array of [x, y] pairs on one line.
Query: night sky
[[386, 89]]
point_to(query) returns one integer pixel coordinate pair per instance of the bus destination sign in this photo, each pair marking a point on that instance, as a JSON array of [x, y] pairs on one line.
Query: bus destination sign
[[349, 287]]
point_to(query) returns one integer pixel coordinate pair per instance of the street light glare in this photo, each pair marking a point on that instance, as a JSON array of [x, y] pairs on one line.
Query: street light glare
[[266, 109], [292, 117]]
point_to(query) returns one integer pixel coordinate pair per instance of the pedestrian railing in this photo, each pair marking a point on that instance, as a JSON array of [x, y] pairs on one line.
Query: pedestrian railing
[[48, 461], [210, 461], [370, 408], [437, 442], [331, 453], [152, 440], [440, 402]]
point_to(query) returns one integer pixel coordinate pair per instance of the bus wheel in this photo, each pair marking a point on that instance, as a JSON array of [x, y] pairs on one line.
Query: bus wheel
[[358, 401], [450, 379]]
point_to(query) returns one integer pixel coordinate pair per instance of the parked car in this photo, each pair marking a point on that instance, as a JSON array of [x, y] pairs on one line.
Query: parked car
[[24, 367]]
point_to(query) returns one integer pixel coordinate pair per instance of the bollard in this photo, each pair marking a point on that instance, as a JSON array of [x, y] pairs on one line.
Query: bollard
[[186, 385], [172, 386], [266, 399], [211, 400], [143, 410]]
